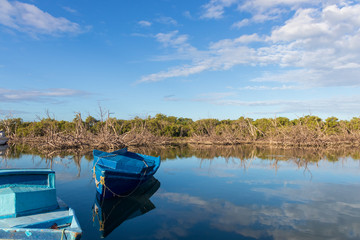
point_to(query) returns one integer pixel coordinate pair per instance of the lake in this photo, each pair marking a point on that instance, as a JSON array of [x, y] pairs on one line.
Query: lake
[[217, 193]]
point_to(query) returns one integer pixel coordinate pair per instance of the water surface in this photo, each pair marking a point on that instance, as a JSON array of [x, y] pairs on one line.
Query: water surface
[[217, 193]]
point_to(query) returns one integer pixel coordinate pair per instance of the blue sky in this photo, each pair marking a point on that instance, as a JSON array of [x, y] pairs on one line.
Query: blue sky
[[199, 59]]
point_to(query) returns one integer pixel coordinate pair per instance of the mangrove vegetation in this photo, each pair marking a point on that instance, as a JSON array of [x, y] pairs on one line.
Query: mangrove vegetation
[[112, 133]]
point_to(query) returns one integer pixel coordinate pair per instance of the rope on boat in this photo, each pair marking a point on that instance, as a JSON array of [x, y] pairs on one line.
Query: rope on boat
[[62, 234]]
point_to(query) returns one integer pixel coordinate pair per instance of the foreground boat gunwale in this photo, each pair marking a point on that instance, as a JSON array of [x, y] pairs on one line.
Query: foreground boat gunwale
[[41, 223]]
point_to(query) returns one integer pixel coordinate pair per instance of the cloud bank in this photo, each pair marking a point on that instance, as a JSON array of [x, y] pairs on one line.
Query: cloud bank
[[317, 45]]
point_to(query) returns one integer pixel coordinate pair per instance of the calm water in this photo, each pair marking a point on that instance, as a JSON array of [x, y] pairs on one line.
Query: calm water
[[218, 193]]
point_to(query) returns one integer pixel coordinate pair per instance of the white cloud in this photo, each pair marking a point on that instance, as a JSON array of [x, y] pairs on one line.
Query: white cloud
[[348, 66], [222, 55], [234, 43], [315, 47], [215, 8], [175, 72], [69, 9], [310, 78], [10, 95], [241, 23], [326, 106], [188, 15], [332, 25], [265, 5], [268, 15], [263, 11], [144, 23], [267, 88], [167, 20], [305, 24], [171, 39], [28, 18], [179, 42]]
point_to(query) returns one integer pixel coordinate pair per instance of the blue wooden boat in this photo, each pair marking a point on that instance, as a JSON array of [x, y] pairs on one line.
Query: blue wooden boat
[[29, 208], [112, 212], [119, 173]]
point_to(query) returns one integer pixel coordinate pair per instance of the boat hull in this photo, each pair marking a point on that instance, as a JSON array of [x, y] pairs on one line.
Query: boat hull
[[3, 140], [114, 184], [120, 173]]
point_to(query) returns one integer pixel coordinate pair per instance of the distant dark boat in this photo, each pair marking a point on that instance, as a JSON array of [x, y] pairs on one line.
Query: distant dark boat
[[29, 207], [110, 213], [3, 149], [119, 173], [3, 139]]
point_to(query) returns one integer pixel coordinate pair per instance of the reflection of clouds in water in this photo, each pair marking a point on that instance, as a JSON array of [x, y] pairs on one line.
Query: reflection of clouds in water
[[315, 192], [181, 220], [217, 173], [311, 211], [280, 182], [333, 209], [219, 167]]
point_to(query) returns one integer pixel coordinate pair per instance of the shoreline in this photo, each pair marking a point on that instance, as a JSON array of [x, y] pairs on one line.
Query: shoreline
[[44, 143]]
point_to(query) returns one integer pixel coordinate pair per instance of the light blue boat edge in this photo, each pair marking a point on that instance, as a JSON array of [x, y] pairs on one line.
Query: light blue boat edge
[[27, 191], [67, 225], [35, 231], [38, 234]]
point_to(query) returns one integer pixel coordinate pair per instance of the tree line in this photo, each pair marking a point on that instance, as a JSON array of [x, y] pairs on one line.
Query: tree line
[[302, 131]]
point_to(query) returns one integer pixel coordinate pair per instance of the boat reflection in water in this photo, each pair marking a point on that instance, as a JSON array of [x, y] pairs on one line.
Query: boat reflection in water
[[108, 214]]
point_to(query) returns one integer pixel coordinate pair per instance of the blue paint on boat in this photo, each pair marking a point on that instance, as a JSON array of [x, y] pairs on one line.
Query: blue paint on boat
[[111, 213], [29, 208], [121, 172]]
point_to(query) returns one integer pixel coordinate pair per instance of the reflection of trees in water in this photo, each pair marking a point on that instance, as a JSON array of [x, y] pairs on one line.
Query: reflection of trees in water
[[48, 158], [242, 154]]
